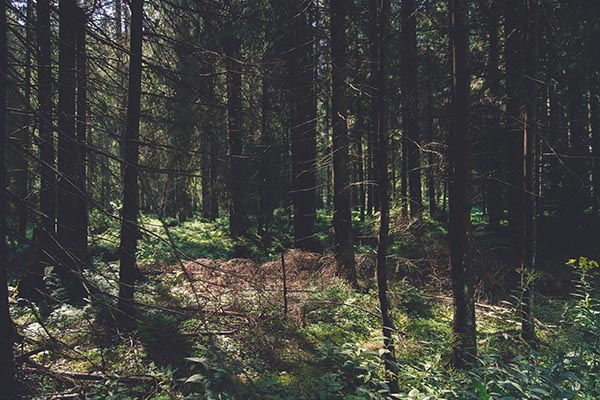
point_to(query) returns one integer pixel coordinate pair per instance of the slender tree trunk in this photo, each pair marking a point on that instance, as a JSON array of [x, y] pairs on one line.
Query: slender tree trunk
[[81, 132], [514, 60], [465, 345], [304, 130], [360, 171], [32, 285], [595, 125], [410, 106], [578, 152], [372, 164], [25, 133], [130, 211], [342, 218], [69, 225], [205, 175], [429, 137], [529, 175], [214, 175], [494, 183], [234, 128], [384, 210], [6, 328]]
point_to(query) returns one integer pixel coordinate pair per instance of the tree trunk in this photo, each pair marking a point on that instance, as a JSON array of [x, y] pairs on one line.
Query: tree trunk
[[529, 175], [6, 328], [514, 61], [69, 224], [372, 161], [495, 163], [32, 285], [304, 130], [234, 128], [129, 214], [25, 133], [384, 210], [81, 132], [429, 138], [465, 345], [410, 105], [595, 125], [342, 218]]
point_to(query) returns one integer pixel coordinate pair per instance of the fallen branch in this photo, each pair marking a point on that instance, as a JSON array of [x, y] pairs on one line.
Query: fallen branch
[[90, 377]]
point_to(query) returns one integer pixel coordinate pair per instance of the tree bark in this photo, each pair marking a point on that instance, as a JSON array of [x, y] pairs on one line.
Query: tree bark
[[495, 163], [234, 128], [595, 125], [529, 175], [372, 161], [384, 210], [410, 105], [129, 214], [32, 286], [304, 130], [81, 132], [342, 218], [465, 345], [6, 327], [514, 66], [69, 224]]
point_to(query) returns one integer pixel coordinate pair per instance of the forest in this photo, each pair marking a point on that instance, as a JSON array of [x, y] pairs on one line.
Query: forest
[[300, 200]]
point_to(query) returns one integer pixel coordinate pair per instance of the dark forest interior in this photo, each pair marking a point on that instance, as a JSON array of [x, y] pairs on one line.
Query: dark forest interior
[[306, 199]]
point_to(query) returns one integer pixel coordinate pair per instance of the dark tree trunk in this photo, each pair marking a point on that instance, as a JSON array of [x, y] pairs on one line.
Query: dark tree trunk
[[6, 328], [410, 105], [205, 175], [429, 138], [342, 218], [214, 175], [69, 224], [130, 211], [530, 174], [32, 286], [234, 128], [514, 61], [25, 133], [303, 130], [595, 125], [495, 203], [404, 178], [578, 186], [384, 210], [465, 345], [360, 171], [81, 132], [372, 160]]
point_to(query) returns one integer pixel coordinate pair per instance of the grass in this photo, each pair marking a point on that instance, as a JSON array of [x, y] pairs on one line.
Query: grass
[[231, 339]]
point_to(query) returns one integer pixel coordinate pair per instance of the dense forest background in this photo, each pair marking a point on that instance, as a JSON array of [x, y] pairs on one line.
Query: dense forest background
[[305, 199]]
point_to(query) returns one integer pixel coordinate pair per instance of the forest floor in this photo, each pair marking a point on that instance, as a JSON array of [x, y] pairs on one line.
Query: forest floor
[[211, 325]]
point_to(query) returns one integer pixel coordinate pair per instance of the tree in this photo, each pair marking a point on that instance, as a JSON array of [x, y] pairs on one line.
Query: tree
[[495, 203], [459, 225], [237, 223], [384, 210], [6, 327], [342, 218], [303, 131], [514, 67], [410, 106], [71, 228], [530, 174], [81, 132], [372, 161], [129, 214], [32, 285]]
